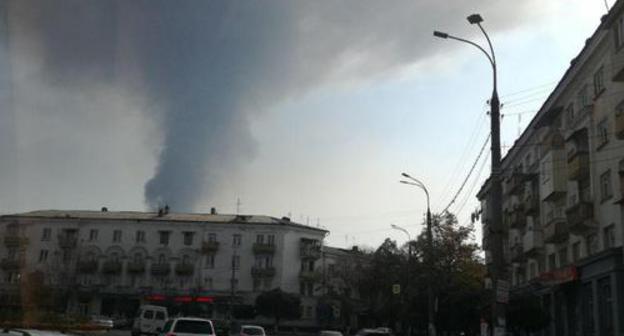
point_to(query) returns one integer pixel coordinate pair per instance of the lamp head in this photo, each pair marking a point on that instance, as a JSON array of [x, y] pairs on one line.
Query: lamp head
[[440, 35], [475, 19]]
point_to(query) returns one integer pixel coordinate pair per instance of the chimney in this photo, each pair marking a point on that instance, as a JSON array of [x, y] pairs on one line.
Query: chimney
[[213, 211], [104, 209]]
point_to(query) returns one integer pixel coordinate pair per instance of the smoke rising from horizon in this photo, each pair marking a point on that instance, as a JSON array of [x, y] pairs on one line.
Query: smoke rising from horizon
[[202, 69]]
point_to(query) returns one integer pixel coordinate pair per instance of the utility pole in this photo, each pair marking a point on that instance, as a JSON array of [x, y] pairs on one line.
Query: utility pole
[[232, 288], [498, 269], [407, 274]]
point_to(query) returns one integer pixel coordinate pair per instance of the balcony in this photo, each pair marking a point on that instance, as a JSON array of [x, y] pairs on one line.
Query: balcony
[[210, 247], [67, 241], [259, 272], [14, 240], [552, 176], [532, 243], [578, 165], [111, 267], [11, 264], [184, 269], [136, 267], [262, 248], [517, 252], [87, 266], [555, 229], [580, 216], [515, 183], [517, 219], [309, 251], [312, 276], [619, 125], [531, 203], [161, 269]]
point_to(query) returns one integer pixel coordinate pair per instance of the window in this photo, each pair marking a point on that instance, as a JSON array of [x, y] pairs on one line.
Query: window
[[267, 283], [186, 260], [311, 265], [47, 232], [234, 283], [308, 311], [570, 114], [160, 315], [552, 261], [117, 236], [210, 261], [140, 236], [605, 306], [576, 251], [260, 239], [592, 244], [43, 256], [257, 284], [138, 258], [149, 314], [93, 235], [609, 236], [212, 237], [603, 132], [563, 256], [259, 260], [66, 256], [599, 81], [271, 240], [164, 237], [588, 309], [619, 33], [236, 240], [162, 259], [605, 186], [268, 261], [235, 262], [208, 283], [310, 289], [582, 98], [302, 288], [188, 238]]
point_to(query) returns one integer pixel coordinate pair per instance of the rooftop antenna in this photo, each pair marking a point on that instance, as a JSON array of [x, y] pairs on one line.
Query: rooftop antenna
[[238, 204], [519, 124]]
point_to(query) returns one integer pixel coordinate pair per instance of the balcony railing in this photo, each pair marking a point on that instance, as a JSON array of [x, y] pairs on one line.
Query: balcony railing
[[259, 272], [313, 276], [14, 240], [532, 243], [136, 267], [67, 242], [210, 247], [111, 267], [556, 229], [11, 264], [517, 219], [619, 125], [87, 266], [579, 217], [517, 252], [185, 269], [515, 184], [161, 269], [309, 251], [578, 165], [262, 248], [531, 203]]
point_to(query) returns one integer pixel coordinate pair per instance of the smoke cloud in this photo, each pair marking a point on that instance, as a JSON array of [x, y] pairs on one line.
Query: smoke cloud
[[201, 69]]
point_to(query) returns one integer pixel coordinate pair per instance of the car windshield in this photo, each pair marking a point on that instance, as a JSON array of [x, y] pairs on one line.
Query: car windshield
[[253, 331], [193, 327]]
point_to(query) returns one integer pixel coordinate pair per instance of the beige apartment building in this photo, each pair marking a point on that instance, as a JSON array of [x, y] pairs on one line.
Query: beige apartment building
[[564, 191], [105, 262]]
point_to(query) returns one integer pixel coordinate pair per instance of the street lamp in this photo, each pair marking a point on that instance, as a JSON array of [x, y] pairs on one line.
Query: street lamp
[[497, 269], [429, 260], [409, 261]]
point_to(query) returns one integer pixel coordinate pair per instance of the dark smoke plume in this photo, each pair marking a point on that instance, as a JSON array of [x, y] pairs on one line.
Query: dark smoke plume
[[203, 67]]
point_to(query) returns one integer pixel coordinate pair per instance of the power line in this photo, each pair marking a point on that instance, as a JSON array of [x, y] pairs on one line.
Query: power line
[[469, 173]]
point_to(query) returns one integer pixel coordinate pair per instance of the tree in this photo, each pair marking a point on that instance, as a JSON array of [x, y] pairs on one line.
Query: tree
[[278, 305]]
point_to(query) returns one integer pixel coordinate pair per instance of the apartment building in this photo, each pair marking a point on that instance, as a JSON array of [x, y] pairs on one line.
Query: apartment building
[[105, 262], [563, 193]]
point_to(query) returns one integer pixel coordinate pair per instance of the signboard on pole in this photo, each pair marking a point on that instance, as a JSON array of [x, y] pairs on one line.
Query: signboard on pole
[[396, 289], [502, 291]]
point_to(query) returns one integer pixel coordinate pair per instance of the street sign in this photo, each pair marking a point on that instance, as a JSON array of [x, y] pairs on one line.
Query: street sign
[[502, 291], [396, 289]]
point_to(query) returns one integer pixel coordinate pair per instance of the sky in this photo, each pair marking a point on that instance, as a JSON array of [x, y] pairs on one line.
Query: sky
[[310, 110]]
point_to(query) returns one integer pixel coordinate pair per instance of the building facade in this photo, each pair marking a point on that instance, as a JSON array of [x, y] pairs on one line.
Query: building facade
[[563, 192], [104, 262]]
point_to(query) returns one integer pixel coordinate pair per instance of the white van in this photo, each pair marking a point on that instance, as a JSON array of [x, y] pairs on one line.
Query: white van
[[149, 320]]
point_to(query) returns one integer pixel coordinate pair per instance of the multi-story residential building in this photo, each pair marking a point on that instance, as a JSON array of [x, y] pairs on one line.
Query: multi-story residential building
[[104, 262], [564, 193]]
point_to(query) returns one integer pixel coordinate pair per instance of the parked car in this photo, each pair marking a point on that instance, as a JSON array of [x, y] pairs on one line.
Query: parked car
[[330, 333], [248, 330], [188, 326], [102, 321], [149, 320], [372, 332]]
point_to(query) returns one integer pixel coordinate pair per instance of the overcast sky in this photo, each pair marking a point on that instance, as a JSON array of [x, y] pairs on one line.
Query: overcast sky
[[302, 109]]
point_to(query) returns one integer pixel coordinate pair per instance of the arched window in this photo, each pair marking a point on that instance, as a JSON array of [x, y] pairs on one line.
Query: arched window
[[161, 259]]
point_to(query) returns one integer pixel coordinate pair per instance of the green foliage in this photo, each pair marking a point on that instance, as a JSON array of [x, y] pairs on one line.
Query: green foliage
[[278, 305]]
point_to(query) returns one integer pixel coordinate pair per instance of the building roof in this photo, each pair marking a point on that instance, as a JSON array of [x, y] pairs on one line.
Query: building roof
[[168, 217]]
